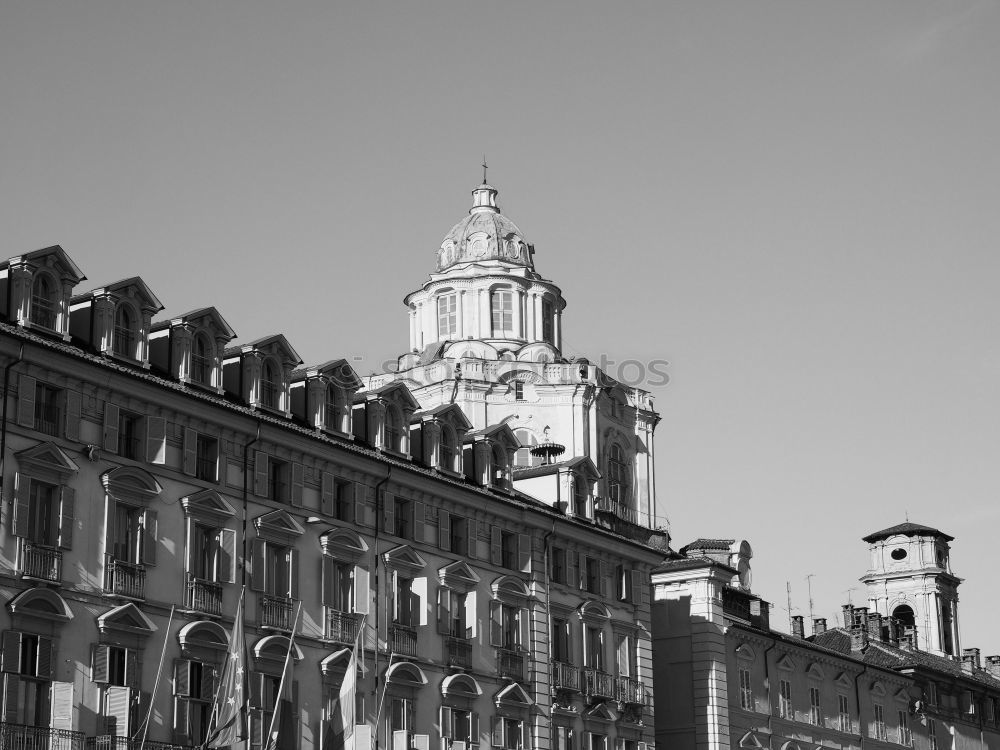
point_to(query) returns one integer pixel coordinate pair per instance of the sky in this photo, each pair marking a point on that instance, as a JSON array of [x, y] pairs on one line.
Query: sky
[[793, 203]]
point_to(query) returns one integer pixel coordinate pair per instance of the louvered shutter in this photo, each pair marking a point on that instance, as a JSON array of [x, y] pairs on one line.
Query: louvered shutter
[[11, 690], [260, 474], [190, 460], [444, 610], [496, 550], [257, 563], [524, 630], [360, 503], [66, 517], [293, 570], [329, 581], [61, 700], [444, 721], [418, 521], [298, 480], [227, 556], [74, 409], [347, 501], [603, 568], [149, 537], [99, 664], [182, 713], [10, 651], [45, 662], [361, 590], [496, 624], [116, 710], [524, 553], [131, 668], [582, 582], [182, 677], [526, 735], [471, 538], [156, 440], [388, 513], [257, 728], [638, 584], [498, 727], [444, 530], [207, 682], [328, 494], [110, 427], [22, 507], [26, 401]]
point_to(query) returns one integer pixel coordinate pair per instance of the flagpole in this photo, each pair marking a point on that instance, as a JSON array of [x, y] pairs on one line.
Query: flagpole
[[385, 686], [156, 683], [281, 685]]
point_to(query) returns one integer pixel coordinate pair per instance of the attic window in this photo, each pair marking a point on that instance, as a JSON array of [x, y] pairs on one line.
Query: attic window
[[201, 359], [125, 331], [44, 302], [898, 554]]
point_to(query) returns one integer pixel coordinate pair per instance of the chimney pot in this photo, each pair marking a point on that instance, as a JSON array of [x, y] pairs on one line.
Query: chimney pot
[[798, 627], [819, 625], [993, 665], [970, 658]]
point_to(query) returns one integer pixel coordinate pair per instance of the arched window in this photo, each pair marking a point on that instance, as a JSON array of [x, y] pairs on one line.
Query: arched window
[[447, 316], [548, 322], [393, 429], [270, 385], [334, 401], [202, 353], [125, 334], [44, 301], [449, 447], [618, 475], [523, 457]]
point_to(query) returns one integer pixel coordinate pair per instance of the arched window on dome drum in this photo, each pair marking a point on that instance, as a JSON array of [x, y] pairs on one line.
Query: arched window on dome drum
[[125, 333], [618, 476], [270, 384], [502, 306], [523, 457], [449, 447], [548, 322], [44, 302], [393, 429], [447, 317], [201, 359]]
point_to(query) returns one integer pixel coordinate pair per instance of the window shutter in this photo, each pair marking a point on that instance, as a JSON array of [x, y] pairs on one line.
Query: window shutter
[[156, 440], [444, 530], [582, 570], [74, 408], [227, 556], [471, 538], [66, 508], [637, 586], [474, 728], [526, 735], [61, 698], [603, 568], [22, 508], [444, 610], [149, 537], [329, 581], [298, 479], [444, 722], [496, 623], [182, 677], [328, 494], [388, 513], [418, 521], [190, 461], [207, 681], [26, 401], [498, 727], [45, 661], [110, 428], [131, 668], [260, 474], [524, 630], [470, 614], [496, 554], [361, 590], [360, 515], [116, 710], [181, 721], [99, 664], [257, 565], [524, 553], [12, 685], [293, 570], [10, 655]]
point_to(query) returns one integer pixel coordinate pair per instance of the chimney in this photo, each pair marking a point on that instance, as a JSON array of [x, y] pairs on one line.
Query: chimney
[[798, 626], [993, 665], [970, 659], [848, 612], [860, 617], [859, 639], [819, 625], [760, 614], [908, 639], [874, 626], [893, 627]]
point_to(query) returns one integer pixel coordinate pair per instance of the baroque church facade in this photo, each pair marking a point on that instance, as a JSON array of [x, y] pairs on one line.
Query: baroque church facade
[[481, 520]]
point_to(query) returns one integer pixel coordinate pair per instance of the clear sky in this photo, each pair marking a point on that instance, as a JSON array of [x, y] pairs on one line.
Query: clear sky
[[794, 203]]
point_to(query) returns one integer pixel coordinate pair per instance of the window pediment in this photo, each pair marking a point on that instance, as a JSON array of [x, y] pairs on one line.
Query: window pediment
[[877, 689], [47, 458], [458, 576], [815, 671], [745, 652], [786, 662], [600, 712], [206, 319], [127, 618], [460, 686], [276, 346], [750, 739], [591, 611], [843, 680], [336, 372], [343, 544], [274, 649], [133, 289], [208, 504], [404, 558], [203, 634], [406, 673], [278, 526], [510, 589], [131, 483], [514, 696], [44, 603]]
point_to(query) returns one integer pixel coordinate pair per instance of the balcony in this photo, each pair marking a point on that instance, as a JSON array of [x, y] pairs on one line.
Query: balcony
[[598, 684], [746, 607], [117, 742], [459, 652], [565, 676], [630, 690], [23, 737], [276, 612], [204, 596], [341, 627], [125, 579], [622, 519], [510, 664], [43, 563], [403, 640]]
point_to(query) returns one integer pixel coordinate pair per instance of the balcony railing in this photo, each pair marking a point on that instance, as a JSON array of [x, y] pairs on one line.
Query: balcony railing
[[510, 664], [341, 626], [204, 596], [599, 684], [48, 418], [125, 579], [403, 640], [117, 742], [43, 563], [630, 690], [459, 652], [23, 737], [565, 676], [617, 509], [276, 612]]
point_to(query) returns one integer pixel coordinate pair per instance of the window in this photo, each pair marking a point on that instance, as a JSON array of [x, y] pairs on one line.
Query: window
[[746, 690], [449, 448], [624, 658], [560, 639], [43, 509], [264, 696], [278, 567], [212, 553], [402, 512], [878, 721], [502, 306], [125, 331], [275, 573], [564, 738], [28, 661], [202, 359], [597, 741], [459, 725], [334, 406], [592, 575], [815, 710], [114, 665], [618, 475], [277, 480], [48, 411], [130, 435], [343, 507], [581, 495], [932, 742], [132, 534], [44, 301], [401, 716], [505, 622], [194, 691], [508, 550], [452, 618], [340, 583], [404, 602], [499, 478], [548, 322], [206, 458], [270, 385], [844, 723], [557, 565], [454, 533], [393, 429], [519, 390], [785, 700], [447, 317], [593, 652], [903, 735], [508, 733]]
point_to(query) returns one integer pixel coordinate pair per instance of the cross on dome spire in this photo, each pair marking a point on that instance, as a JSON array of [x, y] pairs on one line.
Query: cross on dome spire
[[484, 169]]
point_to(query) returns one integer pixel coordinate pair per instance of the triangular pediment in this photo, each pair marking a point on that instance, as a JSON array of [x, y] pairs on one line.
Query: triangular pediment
[[278, 523], [786, 662], [41, 602], [745, 652], [127, 618], [275, 345], [404, 557], [47, 457], [843, 680], [512, 695], [206, 318], [208, 503], [600, 712], [816, 671], [750, 739], [337, 372], [458, 575], [878, 689], [395, 393], [56, 259], [133, 288]]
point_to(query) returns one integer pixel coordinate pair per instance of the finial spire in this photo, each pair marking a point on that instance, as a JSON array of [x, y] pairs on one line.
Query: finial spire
[[484, 169]]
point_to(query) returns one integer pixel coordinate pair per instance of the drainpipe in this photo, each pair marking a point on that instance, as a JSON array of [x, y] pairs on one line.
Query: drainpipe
[[3, 423], [378, 596], [857, 705], [246, 501], [767, 681]]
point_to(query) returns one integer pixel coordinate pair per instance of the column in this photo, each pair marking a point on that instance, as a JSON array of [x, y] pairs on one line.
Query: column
[[484, 314], [460, 314], [557, 329], [531, 332], [413, 328]]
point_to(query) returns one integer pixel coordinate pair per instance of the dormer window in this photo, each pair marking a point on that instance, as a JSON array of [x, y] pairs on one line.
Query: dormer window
[[44, 301], [126, 331], [270, 385], [449, 447], [499, 475], [334, 407], [202, 359], [393, 429]]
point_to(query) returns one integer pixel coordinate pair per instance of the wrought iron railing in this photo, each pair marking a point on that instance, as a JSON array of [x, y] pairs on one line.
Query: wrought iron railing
[[43, 563], [125, 579], [597, 683], [277, 612], [43, 312], [23, 737], [510, 664], [48, 418], [616, 508], [459, 651], [118, 742], [630, 690], [204, 596], [403, 640], [565, 676], [341, 626]]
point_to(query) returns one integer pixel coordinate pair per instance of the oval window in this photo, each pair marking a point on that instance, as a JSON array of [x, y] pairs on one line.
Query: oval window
[[898, 554]]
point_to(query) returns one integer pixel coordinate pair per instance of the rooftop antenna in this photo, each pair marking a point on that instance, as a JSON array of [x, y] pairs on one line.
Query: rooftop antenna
[[809, 585], [484, 169], [788, 587]]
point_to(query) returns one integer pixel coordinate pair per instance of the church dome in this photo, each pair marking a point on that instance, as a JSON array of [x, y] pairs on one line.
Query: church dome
[[484, 235]]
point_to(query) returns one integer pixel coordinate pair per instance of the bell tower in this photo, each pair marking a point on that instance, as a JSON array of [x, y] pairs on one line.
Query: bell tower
[[909, 578]]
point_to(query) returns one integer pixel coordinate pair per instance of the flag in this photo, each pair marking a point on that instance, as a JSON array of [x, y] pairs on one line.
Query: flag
[[230, 701], [281, 735], [343, 721]]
